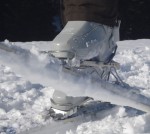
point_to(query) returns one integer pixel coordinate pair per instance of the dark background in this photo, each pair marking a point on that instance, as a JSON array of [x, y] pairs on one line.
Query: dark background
[[39, 20]]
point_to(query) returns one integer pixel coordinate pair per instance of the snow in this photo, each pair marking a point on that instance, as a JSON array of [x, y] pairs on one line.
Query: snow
[[27, 82]]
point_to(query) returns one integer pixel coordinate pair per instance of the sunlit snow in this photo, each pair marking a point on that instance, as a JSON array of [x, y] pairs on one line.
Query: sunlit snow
[[28, 79]]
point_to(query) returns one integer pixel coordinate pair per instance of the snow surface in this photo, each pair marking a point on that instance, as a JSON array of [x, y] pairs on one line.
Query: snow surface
[[27, 82]]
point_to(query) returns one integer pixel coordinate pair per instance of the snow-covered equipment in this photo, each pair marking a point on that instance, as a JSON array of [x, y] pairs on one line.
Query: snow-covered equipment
[[91, 66], [134, 70], [65, 105], [85, 40], [83, 45], [87, 48]]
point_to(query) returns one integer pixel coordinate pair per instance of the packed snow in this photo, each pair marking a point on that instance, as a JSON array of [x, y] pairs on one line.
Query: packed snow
[[28, 80]]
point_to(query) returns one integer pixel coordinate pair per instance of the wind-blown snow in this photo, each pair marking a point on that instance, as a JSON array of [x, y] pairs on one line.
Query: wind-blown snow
[[26, 86]]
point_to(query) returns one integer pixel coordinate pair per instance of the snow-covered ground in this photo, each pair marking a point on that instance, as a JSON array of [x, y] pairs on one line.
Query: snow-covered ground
[[27, 82]]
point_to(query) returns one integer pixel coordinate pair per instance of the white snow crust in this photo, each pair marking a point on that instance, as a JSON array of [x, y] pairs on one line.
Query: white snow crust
[[27, 81]]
